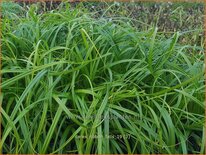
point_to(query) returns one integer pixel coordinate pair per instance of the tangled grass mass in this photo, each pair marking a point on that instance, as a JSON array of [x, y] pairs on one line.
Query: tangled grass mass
[[75, 83]]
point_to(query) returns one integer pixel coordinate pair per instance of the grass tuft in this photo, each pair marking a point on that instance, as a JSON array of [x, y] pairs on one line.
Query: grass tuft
[[74, 83]]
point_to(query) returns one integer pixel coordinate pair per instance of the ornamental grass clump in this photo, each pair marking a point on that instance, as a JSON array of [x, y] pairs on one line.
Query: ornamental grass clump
[[72, 83]]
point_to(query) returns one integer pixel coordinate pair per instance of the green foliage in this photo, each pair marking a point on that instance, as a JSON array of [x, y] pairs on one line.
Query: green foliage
[[69, 77], [10, 8]]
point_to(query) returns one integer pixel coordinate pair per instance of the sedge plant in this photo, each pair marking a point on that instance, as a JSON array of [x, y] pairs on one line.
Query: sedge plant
[[72, 83]]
